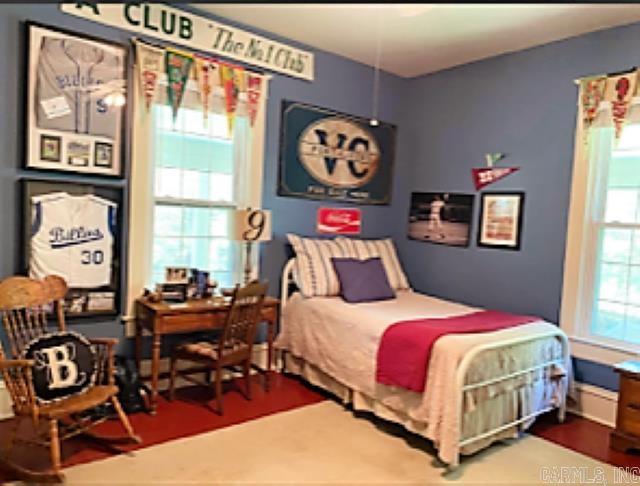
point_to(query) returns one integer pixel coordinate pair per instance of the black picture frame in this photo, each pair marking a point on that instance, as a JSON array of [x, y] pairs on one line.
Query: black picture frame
[[513, 242], [76, 297], [451, 226], [38, 121], [43, 148]]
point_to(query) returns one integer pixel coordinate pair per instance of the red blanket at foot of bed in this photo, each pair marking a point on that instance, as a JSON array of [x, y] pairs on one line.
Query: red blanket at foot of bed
[[405, 347]]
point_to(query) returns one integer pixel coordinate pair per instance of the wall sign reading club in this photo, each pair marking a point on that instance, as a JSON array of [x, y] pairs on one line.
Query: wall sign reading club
[[65, 365], [329, 155]]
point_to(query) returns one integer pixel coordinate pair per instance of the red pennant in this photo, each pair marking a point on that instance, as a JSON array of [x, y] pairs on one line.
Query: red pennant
[[488, 175]]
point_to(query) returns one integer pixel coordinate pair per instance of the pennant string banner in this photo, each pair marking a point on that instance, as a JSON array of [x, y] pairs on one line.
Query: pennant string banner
[[179, 66], [617, 89]]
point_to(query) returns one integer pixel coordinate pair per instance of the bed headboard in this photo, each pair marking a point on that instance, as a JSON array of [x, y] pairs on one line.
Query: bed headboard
[[287, 282]]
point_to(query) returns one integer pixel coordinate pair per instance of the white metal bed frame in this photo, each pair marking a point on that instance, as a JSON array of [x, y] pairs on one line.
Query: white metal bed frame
[[461, 372]]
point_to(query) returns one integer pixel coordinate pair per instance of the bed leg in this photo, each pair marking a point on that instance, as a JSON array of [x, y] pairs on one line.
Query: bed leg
[[451, 467], [562, 411]]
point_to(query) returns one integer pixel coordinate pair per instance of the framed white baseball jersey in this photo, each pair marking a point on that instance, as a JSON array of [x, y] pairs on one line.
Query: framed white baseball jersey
[[72, 236], [75, 86]]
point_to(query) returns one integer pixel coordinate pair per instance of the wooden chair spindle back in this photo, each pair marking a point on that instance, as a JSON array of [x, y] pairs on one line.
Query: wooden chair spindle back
[[243, 317], [24, 304]]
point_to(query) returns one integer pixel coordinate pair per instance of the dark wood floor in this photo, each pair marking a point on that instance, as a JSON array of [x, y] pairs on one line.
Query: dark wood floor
[[585, 436], [190, 414]]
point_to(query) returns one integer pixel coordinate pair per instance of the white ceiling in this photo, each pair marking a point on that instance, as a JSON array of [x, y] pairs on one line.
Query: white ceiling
[[422, 38]]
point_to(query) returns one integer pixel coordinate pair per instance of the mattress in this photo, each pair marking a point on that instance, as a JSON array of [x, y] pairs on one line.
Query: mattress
[[341, 340]]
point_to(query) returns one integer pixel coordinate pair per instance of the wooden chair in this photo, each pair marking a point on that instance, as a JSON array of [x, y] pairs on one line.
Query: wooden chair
[[234, 346], [24, 306]]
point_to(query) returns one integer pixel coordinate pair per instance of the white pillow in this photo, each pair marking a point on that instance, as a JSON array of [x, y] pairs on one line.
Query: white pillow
[[313, 271], [383, 248]]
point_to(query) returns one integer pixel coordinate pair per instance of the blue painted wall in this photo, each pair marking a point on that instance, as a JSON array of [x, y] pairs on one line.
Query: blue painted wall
[[522, 104]]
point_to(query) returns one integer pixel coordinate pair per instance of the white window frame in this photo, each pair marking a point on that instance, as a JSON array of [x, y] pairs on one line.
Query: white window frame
[[584, 344]]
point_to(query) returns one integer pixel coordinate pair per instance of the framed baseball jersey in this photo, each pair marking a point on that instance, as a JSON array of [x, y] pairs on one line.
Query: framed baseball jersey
[[72, 236], [76, 102], [73, 230]]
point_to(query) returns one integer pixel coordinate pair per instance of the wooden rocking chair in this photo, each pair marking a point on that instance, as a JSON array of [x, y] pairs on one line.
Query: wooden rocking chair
[[23, 306]]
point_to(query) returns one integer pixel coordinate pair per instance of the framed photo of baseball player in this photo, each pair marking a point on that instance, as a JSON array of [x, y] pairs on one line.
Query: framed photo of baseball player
[[441, 217], [73, 230], [501, 220], [75, 102]]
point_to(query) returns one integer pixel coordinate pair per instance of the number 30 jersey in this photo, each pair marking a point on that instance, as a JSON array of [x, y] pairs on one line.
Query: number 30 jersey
[[72, 236]]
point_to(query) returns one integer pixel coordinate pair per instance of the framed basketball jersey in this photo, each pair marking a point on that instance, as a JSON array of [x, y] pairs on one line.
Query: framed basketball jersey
[[74, 122], [73, 230]]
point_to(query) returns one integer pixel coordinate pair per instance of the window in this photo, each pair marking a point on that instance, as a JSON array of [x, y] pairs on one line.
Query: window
[[194, 194], [601, 294], [616, 311], [187, 177]]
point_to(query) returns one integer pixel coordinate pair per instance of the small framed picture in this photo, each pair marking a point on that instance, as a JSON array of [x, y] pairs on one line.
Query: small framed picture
[[78, 153], [50, 149], [103, 154], [501, 220], [101, 301], [178, 275]]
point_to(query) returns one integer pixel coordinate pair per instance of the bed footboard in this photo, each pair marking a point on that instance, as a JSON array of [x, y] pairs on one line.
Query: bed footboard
[[467, 362]]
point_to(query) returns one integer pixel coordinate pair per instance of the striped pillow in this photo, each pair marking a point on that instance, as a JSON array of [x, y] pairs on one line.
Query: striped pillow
[[313, 272], [383, 248]]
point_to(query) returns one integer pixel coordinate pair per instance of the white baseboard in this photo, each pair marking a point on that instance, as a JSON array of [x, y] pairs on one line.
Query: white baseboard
[[595, 403], [5, 403]]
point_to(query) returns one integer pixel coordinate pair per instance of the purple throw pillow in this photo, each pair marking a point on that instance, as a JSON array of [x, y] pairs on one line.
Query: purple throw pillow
[[362, 280]]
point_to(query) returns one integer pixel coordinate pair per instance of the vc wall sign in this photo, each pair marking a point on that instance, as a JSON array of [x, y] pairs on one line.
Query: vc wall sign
[[329, 155]]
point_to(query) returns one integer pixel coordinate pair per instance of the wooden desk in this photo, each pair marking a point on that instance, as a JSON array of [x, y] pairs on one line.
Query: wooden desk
[[160, 318]]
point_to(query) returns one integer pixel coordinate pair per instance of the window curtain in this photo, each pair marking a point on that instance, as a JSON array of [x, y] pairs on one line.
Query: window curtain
[[600, 139], [605, 112], [248, 155]]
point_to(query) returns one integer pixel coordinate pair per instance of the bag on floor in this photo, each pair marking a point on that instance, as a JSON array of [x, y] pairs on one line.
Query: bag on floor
[[133, 394]]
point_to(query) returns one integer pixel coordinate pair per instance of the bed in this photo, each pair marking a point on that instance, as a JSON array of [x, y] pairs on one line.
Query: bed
[[482, 387]]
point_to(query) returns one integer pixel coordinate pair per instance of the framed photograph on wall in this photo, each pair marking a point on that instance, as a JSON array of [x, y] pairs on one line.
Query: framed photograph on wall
[[75, 102], [74, 231], [501, 220], [441, 217]]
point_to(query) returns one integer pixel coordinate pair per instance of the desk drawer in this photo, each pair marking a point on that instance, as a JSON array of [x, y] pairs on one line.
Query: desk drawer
[[629, 391], [629, 422], [190, 322]]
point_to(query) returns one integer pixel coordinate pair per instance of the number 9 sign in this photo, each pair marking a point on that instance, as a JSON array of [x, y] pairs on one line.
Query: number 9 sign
[[253, 225]]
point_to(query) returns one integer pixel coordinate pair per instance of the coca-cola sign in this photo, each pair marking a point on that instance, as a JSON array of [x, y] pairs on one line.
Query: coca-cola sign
[[339, 221]]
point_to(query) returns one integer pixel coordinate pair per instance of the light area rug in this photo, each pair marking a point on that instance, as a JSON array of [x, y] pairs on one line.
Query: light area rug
[[327, 444]]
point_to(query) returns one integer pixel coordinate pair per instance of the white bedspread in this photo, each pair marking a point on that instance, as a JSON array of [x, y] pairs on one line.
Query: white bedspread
[[342, 340]]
